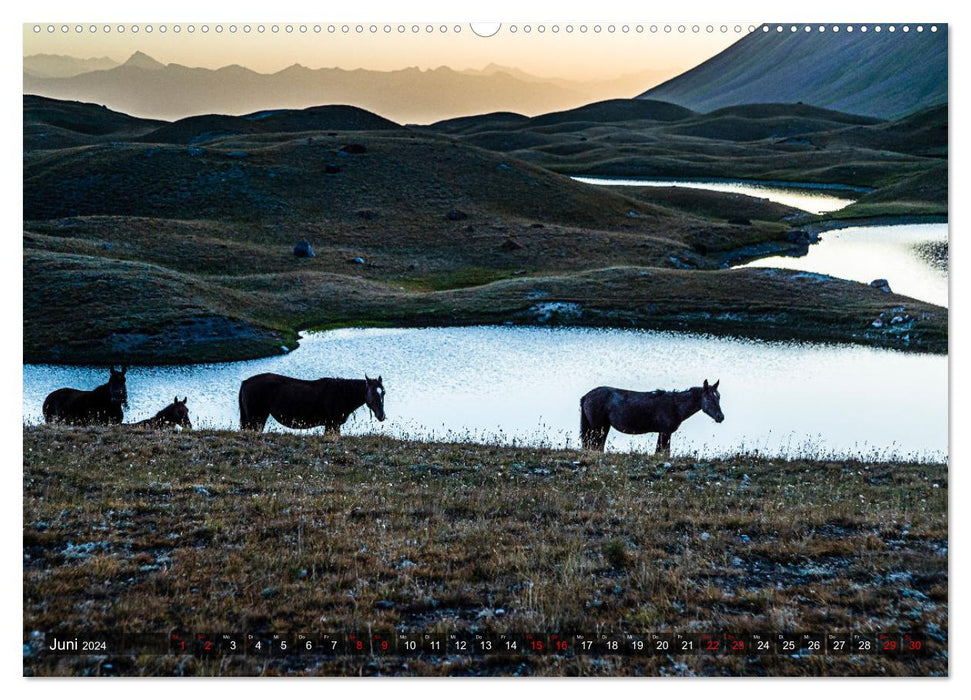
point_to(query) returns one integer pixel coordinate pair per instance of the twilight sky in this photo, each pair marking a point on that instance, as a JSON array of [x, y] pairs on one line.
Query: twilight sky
[[576, 56]]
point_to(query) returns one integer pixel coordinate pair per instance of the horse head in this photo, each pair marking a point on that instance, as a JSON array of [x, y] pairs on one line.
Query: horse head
[[374, 396], [117, 391], [178, 413], [710, 401]]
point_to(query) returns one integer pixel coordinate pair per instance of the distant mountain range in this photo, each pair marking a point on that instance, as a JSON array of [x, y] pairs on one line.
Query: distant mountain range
[[45, 65], [886, 75], [147, 88]]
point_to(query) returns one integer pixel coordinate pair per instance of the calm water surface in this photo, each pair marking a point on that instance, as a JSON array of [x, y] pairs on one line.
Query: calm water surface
[[817, 200], [903, 255], [524, 385]]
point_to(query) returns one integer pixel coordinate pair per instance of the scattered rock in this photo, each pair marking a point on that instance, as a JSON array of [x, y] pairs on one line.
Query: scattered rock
[[84, 550], [704, 536], [303, 249], [354, 148], [357, 261], [456, 215], [556, 309], [877, 323], [384, 605], [284, 349], [202, 490], [680, 264], [195, 151], [269, 592], [510, 245], [881, 284], [801, 237]]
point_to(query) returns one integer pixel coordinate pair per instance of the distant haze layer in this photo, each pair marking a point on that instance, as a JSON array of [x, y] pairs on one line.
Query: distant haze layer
[[409, 77]]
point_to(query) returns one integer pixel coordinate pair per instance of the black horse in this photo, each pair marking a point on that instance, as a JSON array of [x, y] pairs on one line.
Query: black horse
[[101, 406], [638, 412], [176, 413], [304, 403]]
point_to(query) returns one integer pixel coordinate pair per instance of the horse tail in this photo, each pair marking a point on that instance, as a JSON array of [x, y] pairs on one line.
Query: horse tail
[[584, 426], [244, 421]]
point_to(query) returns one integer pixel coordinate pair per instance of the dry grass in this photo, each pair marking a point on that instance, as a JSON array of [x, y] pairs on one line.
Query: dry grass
[[220, 531]]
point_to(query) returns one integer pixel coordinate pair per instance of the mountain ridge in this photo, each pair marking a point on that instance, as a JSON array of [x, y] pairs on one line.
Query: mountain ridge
[[892, 74], [147, 88]]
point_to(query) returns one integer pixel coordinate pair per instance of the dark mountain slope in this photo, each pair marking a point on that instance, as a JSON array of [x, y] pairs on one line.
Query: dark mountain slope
[[886, 75]]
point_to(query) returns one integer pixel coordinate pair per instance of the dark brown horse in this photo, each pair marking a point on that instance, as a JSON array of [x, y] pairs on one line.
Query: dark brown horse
[[102, 405], [305, 403], [175, 414], [638, 412]]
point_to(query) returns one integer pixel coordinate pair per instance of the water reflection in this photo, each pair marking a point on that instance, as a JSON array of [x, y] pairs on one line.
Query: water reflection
[[911, 257], [816, 200], [524, 385]]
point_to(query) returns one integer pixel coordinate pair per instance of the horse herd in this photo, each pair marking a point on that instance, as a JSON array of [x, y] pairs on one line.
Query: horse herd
[[328, 402]]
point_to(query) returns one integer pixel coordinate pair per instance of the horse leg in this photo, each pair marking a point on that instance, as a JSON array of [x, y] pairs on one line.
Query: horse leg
[[250, 419], [593, 434], [594, 438], [254, 421], [600, 438], [663, 443]]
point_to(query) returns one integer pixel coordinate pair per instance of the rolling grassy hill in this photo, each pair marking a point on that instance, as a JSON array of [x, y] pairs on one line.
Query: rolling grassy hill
[[140, 246], [779, 142]]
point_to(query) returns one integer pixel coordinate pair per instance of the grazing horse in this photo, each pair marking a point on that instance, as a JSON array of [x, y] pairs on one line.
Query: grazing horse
[[100, 406], [175, 414], [307, 403], [638, 412]]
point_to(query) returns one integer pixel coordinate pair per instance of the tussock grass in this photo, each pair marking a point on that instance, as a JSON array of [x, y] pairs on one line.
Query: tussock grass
[[220, 531]]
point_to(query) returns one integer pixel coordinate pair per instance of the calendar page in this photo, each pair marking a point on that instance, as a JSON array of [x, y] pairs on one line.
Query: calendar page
[[423, 348]]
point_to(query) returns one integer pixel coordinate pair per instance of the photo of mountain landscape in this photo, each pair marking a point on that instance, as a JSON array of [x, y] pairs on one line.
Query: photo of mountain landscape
[[755, 231]]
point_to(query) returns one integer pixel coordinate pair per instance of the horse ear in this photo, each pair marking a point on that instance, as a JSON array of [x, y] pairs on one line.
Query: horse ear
[[124, 369], [716, 384], [379, 379], [366, 378], [185, 400], [706, 385]]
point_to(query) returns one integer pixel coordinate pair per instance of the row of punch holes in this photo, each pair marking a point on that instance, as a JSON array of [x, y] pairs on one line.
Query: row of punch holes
[[457, 29]]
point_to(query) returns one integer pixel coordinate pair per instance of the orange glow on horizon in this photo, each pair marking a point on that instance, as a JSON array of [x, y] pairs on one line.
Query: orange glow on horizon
[[575, 55]]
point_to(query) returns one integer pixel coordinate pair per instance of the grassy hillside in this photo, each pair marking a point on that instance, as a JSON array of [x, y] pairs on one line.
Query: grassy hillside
[[893, 73], [188, 242], [217, 531], [904, 161]]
